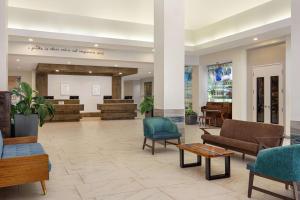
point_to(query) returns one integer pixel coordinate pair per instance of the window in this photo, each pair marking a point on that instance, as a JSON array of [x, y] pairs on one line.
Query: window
[[188, 86], [220, 82]]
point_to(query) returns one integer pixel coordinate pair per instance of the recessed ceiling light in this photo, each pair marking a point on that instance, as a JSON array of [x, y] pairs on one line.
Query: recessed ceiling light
[[149, 72], [57, 70], [153, 50], [255, 39], [120, 73], [116, 65], [96, 45], [18, 59], [90, 72], [30, 40], [69, 62]]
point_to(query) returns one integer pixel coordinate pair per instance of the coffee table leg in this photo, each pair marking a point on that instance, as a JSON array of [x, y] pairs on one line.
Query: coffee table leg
[[183, 165], [219, 176]]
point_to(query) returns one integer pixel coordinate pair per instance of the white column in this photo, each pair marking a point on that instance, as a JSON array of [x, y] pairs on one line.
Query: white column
[[3, 46], [169, 60], [169, 55], [295, 71]]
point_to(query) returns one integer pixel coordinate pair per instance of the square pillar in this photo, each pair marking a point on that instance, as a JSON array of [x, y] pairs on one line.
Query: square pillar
[[294, 74], [169, 60], [3, 46]]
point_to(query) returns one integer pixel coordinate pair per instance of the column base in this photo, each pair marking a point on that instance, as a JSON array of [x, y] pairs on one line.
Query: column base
[[176, 115]]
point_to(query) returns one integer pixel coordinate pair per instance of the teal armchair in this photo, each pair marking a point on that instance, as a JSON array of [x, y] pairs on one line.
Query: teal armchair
[[280, 164], [159, 129]]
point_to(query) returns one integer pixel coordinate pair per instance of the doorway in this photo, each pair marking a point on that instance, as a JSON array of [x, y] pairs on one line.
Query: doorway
[[268, 94], [148, 89]]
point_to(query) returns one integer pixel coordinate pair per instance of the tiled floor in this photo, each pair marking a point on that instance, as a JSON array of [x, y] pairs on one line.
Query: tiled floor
[[103, 160]]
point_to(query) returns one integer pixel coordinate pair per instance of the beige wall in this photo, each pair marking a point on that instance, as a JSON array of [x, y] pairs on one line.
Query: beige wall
[[239, 64], [26, 76], [273, 54], [128, 88]]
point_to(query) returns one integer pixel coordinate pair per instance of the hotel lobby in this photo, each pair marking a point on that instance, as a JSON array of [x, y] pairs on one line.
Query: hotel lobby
[[149, 99]]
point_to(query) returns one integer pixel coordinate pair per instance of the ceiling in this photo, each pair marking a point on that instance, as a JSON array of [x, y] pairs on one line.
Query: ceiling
[[198, 13]]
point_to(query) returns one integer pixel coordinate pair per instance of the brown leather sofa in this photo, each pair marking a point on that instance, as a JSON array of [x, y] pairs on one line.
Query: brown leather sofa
[[246, 137]]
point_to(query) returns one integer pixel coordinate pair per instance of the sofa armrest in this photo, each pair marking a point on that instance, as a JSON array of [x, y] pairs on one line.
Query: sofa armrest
[[205, 130], [21, 170], [20, 140], [262, 142]]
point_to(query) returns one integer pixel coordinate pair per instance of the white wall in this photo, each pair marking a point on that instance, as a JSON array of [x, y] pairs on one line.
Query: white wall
[[82, 87], [238, 57], [26, 76]]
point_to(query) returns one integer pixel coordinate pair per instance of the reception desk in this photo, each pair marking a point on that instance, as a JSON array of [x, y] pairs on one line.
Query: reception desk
[[66, 110], [116, 109]]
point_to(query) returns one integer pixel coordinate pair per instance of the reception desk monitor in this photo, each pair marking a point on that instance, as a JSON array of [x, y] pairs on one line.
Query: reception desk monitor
[[74, 97], [49, 97], [107, 97]]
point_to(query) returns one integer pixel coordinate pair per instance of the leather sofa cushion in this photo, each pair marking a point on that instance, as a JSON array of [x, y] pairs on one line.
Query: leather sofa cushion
[[252, 132], [238, 144]]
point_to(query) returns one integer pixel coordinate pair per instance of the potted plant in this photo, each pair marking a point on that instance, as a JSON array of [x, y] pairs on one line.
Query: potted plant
[[190, 116], [29, 111], [147, 106]]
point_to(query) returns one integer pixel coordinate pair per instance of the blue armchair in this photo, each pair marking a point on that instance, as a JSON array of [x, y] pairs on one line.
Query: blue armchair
[[158, 129], [280, 164]]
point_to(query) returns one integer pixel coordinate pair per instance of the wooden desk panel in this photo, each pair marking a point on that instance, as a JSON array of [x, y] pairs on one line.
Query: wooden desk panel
[[115, 111]]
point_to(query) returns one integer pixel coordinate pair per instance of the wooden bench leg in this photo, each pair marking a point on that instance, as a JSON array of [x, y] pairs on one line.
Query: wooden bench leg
[[44, 187], [250, 186]]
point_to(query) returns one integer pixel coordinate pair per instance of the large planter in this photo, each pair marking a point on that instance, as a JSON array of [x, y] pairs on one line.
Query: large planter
[[149, 114], [191, 119], [26, 125]]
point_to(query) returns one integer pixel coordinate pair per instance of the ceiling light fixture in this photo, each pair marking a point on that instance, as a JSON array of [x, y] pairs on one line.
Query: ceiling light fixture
[[116, 65], [255, 39], [149, 72], [18, 59], [153, 50], [69, 62], [90, 72], [30, 40], [57, 70], [96, 45], [120, 73]]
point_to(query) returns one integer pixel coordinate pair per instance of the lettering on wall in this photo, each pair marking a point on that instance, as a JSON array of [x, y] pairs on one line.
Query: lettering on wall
[[42, 48]]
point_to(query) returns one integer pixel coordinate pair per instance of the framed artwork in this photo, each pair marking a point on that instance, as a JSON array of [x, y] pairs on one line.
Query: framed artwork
[[188, 71], [220, 82], [96, 90], [64, 89]]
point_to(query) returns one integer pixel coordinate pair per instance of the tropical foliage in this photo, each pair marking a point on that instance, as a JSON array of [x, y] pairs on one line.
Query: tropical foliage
[[30, 103], [147, 105]]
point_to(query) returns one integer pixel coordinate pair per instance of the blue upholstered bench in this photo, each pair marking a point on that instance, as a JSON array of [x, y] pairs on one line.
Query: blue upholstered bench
[[23, 160]]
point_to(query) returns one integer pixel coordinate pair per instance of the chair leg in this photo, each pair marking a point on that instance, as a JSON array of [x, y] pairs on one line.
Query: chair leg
[[165, 143], [179, 141], [286, 186], [296, 190], [250, 186], [153, 147], [243, 156], [44, 187], [145, 140]]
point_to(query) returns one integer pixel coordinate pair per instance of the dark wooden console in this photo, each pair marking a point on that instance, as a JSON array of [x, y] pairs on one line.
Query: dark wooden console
[[66, 110], [114, 109]]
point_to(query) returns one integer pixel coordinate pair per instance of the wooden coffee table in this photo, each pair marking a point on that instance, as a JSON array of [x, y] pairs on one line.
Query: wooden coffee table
[[208, 152]]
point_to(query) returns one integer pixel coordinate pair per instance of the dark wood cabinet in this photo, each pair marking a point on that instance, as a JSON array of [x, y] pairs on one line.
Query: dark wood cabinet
[[5, 102]]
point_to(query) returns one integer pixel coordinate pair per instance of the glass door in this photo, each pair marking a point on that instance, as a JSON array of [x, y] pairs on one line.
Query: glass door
[[268, 94]]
